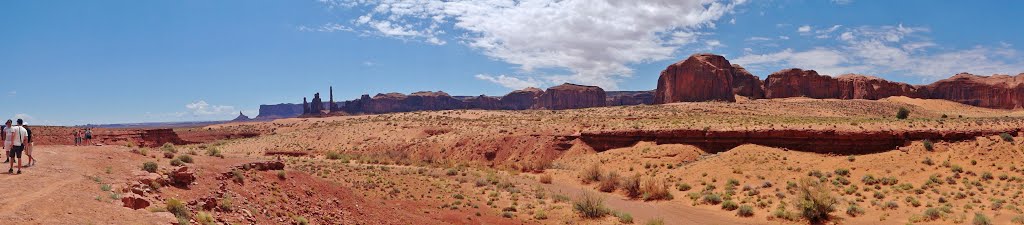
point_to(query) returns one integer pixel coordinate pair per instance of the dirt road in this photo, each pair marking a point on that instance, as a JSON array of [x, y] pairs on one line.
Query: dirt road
[[65, 188]]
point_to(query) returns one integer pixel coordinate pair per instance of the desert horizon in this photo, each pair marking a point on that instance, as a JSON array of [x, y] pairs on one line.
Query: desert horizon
[[511, 112]]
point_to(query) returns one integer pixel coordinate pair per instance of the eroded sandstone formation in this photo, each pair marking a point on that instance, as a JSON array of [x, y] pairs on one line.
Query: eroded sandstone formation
[[616, 98], [800, 83], [571, 96], [51, 135], [997, 91], [521, 99], [746, 84], [284, 110], [701, 77]]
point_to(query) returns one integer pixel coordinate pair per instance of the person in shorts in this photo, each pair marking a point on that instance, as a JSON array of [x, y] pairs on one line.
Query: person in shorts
[[88, 136], [78, 137], [6, 137], [19, 138], [29, 145]]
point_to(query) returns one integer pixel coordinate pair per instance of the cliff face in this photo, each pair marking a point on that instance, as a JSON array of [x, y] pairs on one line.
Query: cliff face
[[800, 83], [701, 77], [278, 111], [50, 135], [571, 96], [521, 99], [998, 91], [820, 141], [397, 102], [617, 98], [746, 84]]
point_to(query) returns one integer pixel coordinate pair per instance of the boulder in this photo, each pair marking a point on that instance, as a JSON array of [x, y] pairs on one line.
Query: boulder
[[521, 99], [701, 77], [182, 176], [571, 96], [134, 201]]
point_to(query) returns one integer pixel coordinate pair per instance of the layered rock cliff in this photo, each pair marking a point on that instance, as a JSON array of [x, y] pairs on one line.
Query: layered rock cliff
[[571, 96], [997, 91], [701, 77]]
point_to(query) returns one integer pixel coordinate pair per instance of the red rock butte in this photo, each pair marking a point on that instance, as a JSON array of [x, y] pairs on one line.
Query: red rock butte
[[708, 77]]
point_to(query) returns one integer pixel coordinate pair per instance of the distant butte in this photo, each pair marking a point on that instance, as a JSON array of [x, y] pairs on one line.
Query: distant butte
[[698, 78]]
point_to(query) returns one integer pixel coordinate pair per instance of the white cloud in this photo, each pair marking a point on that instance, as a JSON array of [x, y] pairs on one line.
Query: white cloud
[[595, 40], [12, 93], [714, 44], [842, 2], [511, 82], [804, 29], [895, 50], [783, 37], [201, 108], [755, 38], [330, 27]]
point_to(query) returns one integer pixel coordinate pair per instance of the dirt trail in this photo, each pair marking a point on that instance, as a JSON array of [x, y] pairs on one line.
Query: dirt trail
[[61, 190]]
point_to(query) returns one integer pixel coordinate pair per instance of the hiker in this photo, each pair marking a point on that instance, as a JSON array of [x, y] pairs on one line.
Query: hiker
[[29, 145], [19, 138], [6, 137], [88, 136], [78, 138]]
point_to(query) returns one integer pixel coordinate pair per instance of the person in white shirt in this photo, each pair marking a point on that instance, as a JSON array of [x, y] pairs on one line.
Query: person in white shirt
[[19, 138]]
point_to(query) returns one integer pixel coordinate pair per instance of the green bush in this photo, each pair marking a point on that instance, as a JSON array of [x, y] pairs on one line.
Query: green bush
[[205, 219], [903, 113], [624, 218], [215, 152], [683, 187], [177, 162], [745, 211], [815, 201], [729, 205], [928, 145], [711, 199], [932, 214], [981, 219], [149, 167], [169, 147], [853, 210], [178, 208], [332, 155], [590, 206], [1006, 137]]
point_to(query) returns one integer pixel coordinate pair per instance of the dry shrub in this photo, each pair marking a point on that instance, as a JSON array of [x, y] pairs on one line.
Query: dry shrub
[[591, 174], [631, 184], [545, 178], [609, 182], [815, 200], [590, 206], [655, 189]]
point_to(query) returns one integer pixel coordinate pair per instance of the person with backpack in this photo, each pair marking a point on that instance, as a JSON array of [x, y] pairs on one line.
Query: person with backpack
[[19, 138]]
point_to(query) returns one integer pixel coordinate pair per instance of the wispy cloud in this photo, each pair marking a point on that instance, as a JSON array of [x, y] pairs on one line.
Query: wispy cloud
[[12, 93], [595, 40], [896, 50], [511, 82], [201, 108]]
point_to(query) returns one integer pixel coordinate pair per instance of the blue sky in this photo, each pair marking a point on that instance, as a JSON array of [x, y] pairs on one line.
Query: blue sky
[[78, 62]]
